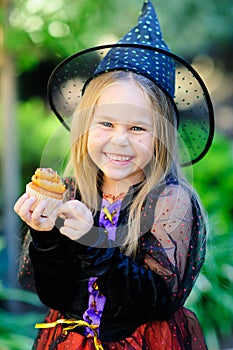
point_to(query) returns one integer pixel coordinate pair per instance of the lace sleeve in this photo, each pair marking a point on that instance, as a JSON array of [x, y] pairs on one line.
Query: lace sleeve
[[25, 272], [175, 247]]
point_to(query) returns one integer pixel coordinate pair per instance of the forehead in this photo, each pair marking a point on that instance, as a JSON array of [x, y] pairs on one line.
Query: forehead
[[124, 92], [125, 102]]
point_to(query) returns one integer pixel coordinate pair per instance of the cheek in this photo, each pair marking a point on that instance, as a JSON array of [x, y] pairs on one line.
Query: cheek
[[96, 140], [98, 135], [91, 142], [145, 144]]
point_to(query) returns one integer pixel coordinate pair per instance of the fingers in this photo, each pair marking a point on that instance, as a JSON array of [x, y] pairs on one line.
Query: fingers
[[75, 229], [31, 211], [78, 225], [71, 233], [74, 209], [23, 207], [20, 202], [38, 210], [78, 219]]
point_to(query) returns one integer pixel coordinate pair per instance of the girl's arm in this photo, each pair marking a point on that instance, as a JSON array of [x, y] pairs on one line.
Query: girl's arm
[[171, 255], [55, 262], [25, 272]]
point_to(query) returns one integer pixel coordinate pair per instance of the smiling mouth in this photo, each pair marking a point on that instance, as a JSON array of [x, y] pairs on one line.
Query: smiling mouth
[[119, 158]]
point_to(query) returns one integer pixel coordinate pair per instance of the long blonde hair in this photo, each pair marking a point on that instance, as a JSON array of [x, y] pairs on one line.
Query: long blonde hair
[[165, 157]]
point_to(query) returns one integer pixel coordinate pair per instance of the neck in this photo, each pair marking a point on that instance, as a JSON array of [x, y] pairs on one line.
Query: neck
[[116, 188]]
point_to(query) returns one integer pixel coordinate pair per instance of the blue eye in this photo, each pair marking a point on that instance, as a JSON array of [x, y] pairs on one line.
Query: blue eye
[[137, 128], [107, 124]]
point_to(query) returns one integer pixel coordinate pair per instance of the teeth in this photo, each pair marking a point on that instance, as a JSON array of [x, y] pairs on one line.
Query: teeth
[[119, 158]]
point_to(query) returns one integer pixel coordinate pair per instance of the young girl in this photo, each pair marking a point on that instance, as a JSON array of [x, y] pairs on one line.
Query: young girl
[[116, 262]]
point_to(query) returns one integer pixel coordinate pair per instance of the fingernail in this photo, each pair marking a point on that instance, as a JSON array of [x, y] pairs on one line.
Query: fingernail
[[62, 216]]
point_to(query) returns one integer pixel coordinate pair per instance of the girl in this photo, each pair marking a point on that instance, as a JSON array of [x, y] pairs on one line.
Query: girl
[[136, 290], [117, 261]]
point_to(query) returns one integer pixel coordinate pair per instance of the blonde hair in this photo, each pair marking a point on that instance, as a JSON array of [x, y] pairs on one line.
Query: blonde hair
[[164, 161]]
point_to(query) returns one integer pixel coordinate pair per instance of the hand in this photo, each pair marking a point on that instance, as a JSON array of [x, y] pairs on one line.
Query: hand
[[35, 218], [78, 219]]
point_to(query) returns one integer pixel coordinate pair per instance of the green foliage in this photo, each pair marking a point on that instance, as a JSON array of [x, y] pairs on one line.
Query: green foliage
[[62, 28], [212, 297], [43, 141], [214, 183], [16, 330]]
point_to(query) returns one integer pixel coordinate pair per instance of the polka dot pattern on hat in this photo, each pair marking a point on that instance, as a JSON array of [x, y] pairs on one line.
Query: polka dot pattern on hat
[[158, 67], [142, 50]]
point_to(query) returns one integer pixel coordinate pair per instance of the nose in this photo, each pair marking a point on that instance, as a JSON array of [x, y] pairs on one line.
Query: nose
[[120, 137]]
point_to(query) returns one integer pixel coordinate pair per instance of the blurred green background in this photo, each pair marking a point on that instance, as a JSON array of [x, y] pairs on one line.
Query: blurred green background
[[35, 35]]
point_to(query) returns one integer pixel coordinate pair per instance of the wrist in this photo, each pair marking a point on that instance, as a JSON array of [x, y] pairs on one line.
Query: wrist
[[46, 239]]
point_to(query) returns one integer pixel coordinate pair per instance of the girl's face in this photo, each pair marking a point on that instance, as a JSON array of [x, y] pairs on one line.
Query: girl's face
[[121, 133]]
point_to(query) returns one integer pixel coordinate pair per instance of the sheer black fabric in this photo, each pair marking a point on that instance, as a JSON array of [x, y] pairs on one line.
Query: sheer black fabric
[[144, 296]]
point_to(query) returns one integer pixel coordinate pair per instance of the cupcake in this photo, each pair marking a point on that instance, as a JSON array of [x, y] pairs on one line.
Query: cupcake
[[46, 185]]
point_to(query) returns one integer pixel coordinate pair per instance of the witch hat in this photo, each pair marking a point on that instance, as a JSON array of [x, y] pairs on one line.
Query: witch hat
[[141, 50]]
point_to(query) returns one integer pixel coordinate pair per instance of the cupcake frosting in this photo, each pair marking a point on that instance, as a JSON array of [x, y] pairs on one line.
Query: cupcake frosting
[[48, 179]]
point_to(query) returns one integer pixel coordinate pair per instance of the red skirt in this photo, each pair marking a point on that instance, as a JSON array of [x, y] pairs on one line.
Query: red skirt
[[181, 332]]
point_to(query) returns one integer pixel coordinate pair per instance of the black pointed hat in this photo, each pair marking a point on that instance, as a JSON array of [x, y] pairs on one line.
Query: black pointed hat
[[141, 50]]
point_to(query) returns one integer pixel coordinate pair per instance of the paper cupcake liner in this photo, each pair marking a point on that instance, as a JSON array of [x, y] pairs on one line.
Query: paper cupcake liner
[[51, 203]]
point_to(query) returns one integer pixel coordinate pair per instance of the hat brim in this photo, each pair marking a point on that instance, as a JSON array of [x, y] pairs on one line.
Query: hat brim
[[192, 100]]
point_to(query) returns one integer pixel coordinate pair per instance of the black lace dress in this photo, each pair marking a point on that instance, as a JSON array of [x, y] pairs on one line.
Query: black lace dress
[[110, 301]]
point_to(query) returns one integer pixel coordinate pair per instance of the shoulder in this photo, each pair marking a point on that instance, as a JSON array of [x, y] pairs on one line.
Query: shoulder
[[171, 189], [173, 202], [171, 199]]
